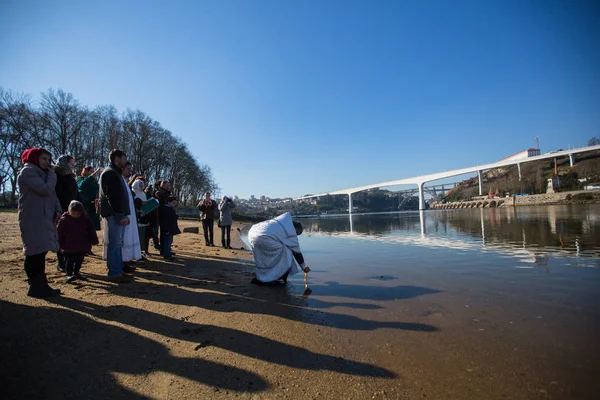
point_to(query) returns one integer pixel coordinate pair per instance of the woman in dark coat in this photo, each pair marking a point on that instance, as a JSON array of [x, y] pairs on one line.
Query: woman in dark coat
[[88, 189], [66, 186]]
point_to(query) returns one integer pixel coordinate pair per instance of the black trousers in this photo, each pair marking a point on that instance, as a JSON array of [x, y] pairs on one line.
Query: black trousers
[[61, 260], [73, 263], [146, 233], [207, 227], [35, 264], [226, 229]]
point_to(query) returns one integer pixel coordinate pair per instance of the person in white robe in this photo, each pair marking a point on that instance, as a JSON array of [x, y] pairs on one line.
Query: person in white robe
[[276, 249], [131, 250]]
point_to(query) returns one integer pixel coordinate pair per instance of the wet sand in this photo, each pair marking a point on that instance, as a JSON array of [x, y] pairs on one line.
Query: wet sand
[[196, 328]]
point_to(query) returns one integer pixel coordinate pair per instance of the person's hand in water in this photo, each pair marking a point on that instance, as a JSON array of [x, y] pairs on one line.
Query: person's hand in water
[[306, 269]]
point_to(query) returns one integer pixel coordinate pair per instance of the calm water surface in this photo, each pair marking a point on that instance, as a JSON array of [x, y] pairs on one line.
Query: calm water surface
[[464, 302]]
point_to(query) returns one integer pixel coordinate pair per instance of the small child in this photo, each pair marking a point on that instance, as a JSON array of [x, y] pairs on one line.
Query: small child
[[168, 226], [76, 235]]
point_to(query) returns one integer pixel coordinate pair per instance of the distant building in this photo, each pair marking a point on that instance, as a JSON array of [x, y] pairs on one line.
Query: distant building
[[522, 155]]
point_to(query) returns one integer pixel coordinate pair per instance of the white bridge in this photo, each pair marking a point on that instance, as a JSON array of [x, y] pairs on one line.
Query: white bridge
[[421, 180]]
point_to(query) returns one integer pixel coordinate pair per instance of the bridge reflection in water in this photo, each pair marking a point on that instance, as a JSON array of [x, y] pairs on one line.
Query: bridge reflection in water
[[528, 232]]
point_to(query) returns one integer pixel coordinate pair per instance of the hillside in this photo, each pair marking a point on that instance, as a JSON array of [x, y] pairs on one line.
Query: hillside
[[534, 175]]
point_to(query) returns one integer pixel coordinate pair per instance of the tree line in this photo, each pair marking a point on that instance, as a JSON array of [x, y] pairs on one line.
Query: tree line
[[62, 125]]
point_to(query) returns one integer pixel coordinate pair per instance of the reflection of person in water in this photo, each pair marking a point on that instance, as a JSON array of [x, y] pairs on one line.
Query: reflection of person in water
[[276, 246]]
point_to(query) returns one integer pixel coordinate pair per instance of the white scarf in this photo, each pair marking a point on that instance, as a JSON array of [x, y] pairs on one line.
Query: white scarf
[[138, 189]]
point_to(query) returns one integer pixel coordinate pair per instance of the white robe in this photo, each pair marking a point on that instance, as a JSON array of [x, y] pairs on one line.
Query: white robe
[[273, 242], [131, 249]]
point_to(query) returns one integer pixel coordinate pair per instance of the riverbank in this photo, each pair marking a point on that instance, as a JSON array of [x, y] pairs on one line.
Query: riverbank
[[193, 328], [196, 328]]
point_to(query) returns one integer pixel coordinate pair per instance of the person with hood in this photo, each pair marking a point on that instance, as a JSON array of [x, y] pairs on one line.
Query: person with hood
[[207, 207], [76, 236], [225, 221], [88, 189], [275, 246], [39, 209]]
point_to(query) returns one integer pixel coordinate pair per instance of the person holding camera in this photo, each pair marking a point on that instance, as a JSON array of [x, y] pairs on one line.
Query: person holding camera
[[207, 208], [225, 221]]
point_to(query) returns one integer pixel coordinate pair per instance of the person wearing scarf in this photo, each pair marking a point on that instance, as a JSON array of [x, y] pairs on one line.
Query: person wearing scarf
[[39, 210], [143, 220]]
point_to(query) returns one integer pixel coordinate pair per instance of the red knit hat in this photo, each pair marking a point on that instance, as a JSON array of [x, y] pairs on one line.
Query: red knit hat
[[32, 156]]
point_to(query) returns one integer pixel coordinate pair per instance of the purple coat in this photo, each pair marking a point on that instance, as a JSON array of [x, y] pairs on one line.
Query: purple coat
[[76, 235]]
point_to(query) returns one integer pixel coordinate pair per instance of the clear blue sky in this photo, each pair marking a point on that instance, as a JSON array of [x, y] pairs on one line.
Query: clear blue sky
[[309, 96]]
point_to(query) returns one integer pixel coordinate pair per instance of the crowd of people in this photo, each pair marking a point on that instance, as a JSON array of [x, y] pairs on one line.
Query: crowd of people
[[61, 213]]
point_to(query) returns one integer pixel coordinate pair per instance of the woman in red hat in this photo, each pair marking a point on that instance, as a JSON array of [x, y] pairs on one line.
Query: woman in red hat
[[39, 210]]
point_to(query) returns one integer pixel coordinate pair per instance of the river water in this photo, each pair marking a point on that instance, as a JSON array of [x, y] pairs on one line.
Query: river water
[[478, 303]]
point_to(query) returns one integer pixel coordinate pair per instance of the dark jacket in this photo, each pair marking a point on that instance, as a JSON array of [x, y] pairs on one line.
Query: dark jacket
[[163, 196], [114, 198], [76, 235], [88, 188], [168, 221], [66, 186], [207, 212]]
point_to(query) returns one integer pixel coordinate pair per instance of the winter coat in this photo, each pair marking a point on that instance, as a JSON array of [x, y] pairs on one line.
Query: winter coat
[[114, 195], [66, 186], [168, 221], [38, 205], [88, 188], [207, 212], [225, 209], [76, 235]]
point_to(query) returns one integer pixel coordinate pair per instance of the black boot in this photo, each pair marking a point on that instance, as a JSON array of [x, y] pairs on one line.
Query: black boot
[[223, 243], [48, 288], [37, 287], [229, 243]]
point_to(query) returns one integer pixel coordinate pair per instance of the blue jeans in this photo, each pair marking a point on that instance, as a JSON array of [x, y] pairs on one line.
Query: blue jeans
[[166, 245], [114, 256]]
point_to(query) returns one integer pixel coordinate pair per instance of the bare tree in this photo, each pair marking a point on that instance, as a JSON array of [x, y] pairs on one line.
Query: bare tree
[[63, 126], [63, 120]]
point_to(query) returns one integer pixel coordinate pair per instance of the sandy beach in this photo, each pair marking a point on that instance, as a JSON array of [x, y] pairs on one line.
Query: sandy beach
[[197, 328]]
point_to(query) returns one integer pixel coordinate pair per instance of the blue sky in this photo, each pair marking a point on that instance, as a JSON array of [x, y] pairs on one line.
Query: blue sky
[[309, 96]]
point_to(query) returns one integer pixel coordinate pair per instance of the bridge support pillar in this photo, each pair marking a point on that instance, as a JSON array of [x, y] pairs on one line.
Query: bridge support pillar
[[350, 206], [571, 159], [421, 196], [480, 176], [519, 168]]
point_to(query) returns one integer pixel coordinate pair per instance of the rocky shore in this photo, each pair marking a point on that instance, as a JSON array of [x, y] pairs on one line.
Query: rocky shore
[[575, 197]]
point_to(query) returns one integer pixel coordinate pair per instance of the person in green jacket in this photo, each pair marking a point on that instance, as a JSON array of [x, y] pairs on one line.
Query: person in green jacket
[[88, 188]]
